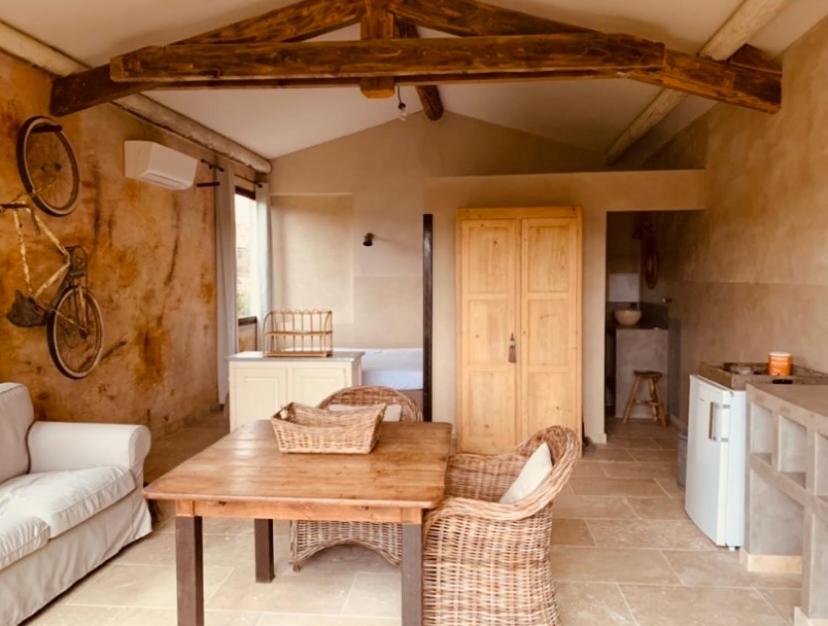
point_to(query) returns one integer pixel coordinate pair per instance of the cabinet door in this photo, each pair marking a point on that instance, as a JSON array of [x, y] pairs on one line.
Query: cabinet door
[[549, 347], [310, 384], [257, 391], [488, 272]]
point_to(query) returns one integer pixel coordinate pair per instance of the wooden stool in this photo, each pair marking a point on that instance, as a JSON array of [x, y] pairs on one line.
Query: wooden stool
[[655, 403]]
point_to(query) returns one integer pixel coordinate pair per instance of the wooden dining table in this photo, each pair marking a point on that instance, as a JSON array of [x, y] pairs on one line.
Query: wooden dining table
[[243, 475]]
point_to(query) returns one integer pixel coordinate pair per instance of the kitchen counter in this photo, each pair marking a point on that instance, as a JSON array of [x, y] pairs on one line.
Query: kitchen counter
[[787, 509]]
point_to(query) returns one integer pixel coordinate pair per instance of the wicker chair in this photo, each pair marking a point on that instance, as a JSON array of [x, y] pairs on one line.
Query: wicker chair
[[309, 537], [487, 563]]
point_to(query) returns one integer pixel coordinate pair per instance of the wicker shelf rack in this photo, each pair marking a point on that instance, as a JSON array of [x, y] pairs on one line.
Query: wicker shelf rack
[[298, 333]]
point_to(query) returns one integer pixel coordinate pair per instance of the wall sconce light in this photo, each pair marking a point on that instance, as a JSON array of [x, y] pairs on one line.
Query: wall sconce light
[[369, 240]]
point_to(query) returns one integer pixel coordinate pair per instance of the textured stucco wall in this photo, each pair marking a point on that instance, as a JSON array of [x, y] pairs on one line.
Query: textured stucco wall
[[152, 270], [750, 275], [376, 179]]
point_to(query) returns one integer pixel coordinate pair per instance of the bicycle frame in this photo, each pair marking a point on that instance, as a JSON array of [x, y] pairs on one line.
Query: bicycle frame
[[62, 271]]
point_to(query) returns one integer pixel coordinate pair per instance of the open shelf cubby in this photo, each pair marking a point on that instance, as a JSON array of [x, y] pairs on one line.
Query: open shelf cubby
[[821, 463], [792, 449], [762, 424]]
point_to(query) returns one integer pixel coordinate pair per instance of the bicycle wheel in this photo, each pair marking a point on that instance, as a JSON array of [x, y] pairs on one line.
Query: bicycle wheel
[[74, 333], [47, 166]]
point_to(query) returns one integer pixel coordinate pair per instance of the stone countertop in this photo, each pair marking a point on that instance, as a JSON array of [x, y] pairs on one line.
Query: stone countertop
[[812, 398], [259, 356]]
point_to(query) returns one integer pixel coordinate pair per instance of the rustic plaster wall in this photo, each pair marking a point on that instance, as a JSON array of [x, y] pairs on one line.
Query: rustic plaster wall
[[327, 197], [752, 271], [152, 270]]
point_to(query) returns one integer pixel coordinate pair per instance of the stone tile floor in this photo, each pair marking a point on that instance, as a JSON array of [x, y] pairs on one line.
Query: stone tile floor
[[625, 554]]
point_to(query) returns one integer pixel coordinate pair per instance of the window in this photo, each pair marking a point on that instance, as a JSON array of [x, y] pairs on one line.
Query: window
[[247, 255]]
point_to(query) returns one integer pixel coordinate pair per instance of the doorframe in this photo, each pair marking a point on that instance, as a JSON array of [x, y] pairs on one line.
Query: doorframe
[[465, 214]]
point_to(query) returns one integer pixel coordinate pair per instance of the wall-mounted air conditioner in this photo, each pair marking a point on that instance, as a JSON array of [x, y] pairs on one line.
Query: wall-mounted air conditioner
[[159, 165]]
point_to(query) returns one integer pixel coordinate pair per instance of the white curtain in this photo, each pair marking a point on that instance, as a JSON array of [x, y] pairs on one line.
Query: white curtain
[[265, 256], [228, 326]]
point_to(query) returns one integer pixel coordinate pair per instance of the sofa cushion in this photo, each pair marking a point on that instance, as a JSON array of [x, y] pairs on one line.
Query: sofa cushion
[[20, 535], [534, 472], [16, 415], [65, 499]]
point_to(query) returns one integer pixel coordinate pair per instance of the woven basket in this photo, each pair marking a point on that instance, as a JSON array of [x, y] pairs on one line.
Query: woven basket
[[307, 430]]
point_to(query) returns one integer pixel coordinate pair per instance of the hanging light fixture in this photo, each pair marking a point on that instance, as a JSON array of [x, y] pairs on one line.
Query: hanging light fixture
[[401, 105]]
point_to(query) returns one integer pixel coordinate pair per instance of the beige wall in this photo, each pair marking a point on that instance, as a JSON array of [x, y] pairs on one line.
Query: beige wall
[[152, 270], [597, 194], [327, 197], [752, 271]]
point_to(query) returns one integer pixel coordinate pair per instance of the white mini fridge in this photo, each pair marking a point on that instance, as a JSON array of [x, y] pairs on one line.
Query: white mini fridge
[[716, 449]]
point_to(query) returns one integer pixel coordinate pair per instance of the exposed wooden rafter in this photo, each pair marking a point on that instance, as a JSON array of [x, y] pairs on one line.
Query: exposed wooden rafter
[[729, 42], [296, 22], [494, 44], [429, 94]]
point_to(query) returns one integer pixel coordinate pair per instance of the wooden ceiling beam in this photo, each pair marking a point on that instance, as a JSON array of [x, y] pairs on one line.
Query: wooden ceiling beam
[[393, 58], [429, 95], [295, 22], [748, 19], [377, 24]]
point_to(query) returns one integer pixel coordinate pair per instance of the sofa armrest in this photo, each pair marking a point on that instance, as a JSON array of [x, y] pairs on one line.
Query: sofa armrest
[[55, 446]]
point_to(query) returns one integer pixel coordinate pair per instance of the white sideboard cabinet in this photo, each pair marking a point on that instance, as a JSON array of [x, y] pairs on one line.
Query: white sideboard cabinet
[[260, 385]]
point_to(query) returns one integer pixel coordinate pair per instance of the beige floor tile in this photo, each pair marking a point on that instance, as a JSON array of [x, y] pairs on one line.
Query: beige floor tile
[[588, 469], [783, 600], [321, 592], [324, 620], [609, 565], [168, 617], [616, 487], [571, 532], [592, 604], [632, 442], [592, 507], [602, 453], [664, 456], [374, 595], [639, 469], [667, 444], [722, 569], [658, 534], [348, 557], [658, 508], [697, 606], [62, 614], [147, 586], [671, 487]]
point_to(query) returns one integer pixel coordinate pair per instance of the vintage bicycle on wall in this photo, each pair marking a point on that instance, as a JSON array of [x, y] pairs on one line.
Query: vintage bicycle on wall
[[72, 316]]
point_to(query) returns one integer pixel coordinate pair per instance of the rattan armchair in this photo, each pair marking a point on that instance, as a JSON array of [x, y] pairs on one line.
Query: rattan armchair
[[309, 537], [487, 563]]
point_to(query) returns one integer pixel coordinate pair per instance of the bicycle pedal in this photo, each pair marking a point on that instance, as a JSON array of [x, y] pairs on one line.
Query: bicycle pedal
[[26, 312]]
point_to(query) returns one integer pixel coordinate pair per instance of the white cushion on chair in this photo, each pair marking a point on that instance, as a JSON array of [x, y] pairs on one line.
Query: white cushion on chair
[[534, 472], [20, 535], [16, 415], [65, 499], [393, 412]]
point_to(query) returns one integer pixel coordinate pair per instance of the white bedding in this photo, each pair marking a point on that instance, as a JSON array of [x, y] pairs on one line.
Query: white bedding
[[398, 368]]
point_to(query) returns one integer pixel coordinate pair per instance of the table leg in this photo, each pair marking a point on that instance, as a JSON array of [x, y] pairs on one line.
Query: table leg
[[412, 575], [189, 570], [264, 550]]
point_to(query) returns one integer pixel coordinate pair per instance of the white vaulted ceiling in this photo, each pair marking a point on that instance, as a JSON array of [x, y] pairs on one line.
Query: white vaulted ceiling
[[588, 114]]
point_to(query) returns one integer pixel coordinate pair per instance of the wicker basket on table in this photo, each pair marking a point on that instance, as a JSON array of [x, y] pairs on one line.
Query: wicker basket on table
[[309, 537], [488, 563], [304, 430]]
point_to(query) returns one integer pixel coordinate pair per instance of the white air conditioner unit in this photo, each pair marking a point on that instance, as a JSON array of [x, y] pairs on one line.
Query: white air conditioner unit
[[159, 165]]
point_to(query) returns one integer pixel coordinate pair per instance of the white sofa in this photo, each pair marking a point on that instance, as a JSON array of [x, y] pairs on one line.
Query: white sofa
[[70, 498]]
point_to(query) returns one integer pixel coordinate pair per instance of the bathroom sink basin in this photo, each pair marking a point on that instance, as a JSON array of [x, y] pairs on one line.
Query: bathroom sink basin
[[628, 317]]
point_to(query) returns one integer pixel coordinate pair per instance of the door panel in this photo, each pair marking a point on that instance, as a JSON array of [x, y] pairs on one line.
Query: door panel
[[550, 338], [488, 271]]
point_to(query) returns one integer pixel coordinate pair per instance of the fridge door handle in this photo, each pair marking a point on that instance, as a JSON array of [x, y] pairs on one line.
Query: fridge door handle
[[710, 417]]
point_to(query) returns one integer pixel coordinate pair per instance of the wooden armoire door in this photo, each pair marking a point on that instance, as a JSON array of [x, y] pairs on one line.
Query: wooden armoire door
[[519, 324], [489, 274]]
